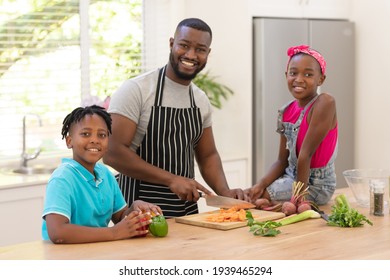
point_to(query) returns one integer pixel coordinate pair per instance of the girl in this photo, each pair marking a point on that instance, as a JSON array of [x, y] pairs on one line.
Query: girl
[[308, 134], [82, 195]]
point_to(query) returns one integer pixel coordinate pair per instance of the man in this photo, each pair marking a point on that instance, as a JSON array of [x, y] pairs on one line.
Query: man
[[161, 121]]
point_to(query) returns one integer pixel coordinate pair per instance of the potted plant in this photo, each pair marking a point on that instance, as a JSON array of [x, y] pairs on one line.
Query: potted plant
[[215, 91]]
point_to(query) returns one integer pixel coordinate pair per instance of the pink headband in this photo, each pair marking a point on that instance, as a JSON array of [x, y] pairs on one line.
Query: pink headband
[[307, 50]]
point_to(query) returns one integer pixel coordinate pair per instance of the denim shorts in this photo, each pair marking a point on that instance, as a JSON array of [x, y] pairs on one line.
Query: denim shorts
[[281, 190]]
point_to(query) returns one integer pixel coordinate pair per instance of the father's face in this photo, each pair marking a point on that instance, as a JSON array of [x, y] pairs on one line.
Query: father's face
[[189, 52]]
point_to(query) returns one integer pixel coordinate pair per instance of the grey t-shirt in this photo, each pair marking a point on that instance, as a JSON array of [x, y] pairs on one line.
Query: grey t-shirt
[[135, 97]]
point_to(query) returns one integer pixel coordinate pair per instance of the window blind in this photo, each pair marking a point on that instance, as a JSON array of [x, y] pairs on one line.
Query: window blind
[[57, 55]]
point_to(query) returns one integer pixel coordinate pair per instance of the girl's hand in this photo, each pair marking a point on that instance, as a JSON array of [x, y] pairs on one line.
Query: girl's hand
[[236, 193], [254, 192], [142, 206]]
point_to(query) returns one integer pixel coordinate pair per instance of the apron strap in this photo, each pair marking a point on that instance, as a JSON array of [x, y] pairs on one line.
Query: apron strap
[[192, 99], [160, 86]]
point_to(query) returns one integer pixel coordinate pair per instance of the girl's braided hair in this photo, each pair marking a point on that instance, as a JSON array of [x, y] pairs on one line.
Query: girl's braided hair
[[79, 113]]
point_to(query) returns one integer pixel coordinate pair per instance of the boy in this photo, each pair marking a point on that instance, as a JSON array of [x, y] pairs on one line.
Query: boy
[[82, 195]]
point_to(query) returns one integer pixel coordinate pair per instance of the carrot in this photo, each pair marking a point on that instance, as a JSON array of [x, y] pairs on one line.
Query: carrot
[[233, 214]]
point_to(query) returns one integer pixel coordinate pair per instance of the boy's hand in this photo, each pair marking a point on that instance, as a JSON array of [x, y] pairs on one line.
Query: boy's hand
[[142, 206], [134, 224]]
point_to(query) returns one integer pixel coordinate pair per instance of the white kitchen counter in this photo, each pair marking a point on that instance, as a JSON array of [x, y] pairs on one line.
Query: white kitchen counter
[[14, 180], [21, 196], [8, 181]]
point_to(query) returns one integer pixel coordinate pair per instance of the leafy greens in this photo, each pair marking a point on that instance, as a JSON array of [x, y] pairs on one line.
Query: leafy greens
[[344, 216]]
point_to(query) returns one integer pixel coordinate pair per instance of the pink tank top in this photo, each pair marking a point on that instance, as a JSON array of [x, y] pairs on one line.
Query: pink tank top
[[326, 148]]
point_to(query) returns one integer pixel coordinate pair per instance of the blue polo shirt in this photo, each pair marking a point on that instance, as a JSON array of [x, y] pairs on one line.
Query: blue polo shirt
[[73, 192]]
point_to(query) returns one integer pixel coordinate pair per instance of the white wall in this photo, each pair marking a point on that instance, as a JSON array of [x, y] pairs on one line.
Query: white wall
[[372, 19], [231, 60]]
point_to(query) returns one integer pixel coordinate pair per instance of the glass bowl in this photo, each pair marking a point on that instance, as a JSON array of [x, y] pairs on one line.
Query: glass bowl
[[359, 181]]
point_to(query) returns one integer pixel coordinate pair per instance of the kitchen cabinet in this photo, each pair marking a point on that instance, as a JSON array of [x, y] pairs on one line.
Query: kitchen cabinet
[[20, 213], [329, 9], [235, 172]]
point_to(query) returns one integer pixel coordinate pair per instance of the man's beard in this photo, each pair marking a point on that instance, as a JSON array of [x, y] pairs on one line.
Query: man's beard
[[181, 75]]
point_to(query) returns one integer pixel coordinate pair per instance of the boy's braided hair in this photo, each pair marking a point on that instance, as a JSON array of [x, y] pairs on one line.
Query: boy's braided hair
[[79, 113]]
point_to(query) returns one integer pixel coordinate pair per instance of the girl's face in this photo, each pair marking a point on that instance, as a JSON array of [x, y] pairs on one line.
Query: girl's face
[[303, 77], [89, 140]]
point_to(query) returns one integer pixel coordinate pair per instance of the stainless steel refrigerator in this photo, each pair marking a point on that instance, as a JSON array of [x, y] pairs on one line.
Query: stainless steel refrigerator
[[335, 39]]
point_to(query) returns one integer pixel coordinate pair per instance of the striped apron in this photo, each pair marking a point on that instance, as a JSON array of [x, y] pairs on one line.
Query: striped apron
[[169, 143]]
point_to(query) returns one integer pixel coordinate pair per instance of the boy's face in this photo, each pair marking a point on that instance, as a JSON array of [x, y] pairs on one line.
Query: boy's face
[[89, 140]]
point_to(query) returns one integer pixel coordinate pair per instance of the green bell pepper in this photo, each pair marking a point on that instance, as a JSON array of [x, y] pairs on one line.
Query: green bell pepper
[[159, 226]]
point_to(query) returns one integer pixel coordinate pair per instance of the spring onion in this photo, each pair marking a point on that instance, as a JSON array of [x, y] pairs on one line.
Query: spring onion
[[270, 228]]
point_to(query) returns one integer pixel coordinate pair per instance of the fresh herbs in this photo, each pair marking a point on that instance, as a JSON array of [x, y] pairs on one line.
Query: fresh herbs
[[269, 228], [344, 216]]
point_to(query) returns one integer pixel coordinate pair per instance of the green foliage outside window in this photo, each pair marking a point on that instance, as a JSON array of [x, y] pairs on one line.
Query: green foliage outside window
[[41, 58], [214, 90]]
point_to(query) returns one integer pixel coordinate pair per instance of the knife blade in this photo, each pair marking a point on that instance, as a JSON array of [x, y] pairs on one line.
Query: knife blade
[[226, 202], [323, 215]]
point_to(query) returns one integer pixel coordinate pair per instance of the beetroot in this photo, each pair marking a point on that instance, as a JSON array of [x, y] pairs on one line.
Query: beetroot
[[275, 207], [298, 193], [298, 199], [262, 203], [289, 208], [305, 205]]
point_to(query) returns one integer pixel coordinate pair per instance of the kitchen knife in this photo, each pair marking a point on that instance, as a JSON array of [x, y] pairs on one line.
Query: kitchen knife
[[226, 202], [323, 215]]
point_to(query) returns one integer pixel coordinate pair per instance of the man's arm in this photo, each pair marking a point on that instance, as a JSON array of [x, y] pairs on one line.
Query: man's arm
[[210, 166], [127, 162]]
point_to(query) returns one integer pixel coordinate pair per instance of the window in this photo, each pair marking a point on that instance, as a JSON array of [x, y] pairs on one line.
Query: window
[[58, 55]]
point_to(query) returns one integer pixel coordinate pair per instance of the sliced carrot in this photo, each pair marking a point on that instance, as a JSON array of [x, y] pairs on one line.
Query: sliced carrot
[[233, 214]]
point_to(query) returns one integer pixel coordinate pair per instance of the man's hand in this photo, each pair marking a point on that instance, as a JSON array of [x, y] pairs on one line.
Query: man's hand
[[187, 189]]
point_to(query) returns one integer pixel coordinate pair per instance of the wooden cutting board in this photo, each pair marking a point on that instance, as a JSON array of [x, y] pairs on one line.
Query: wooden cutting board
[[200, 219]]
